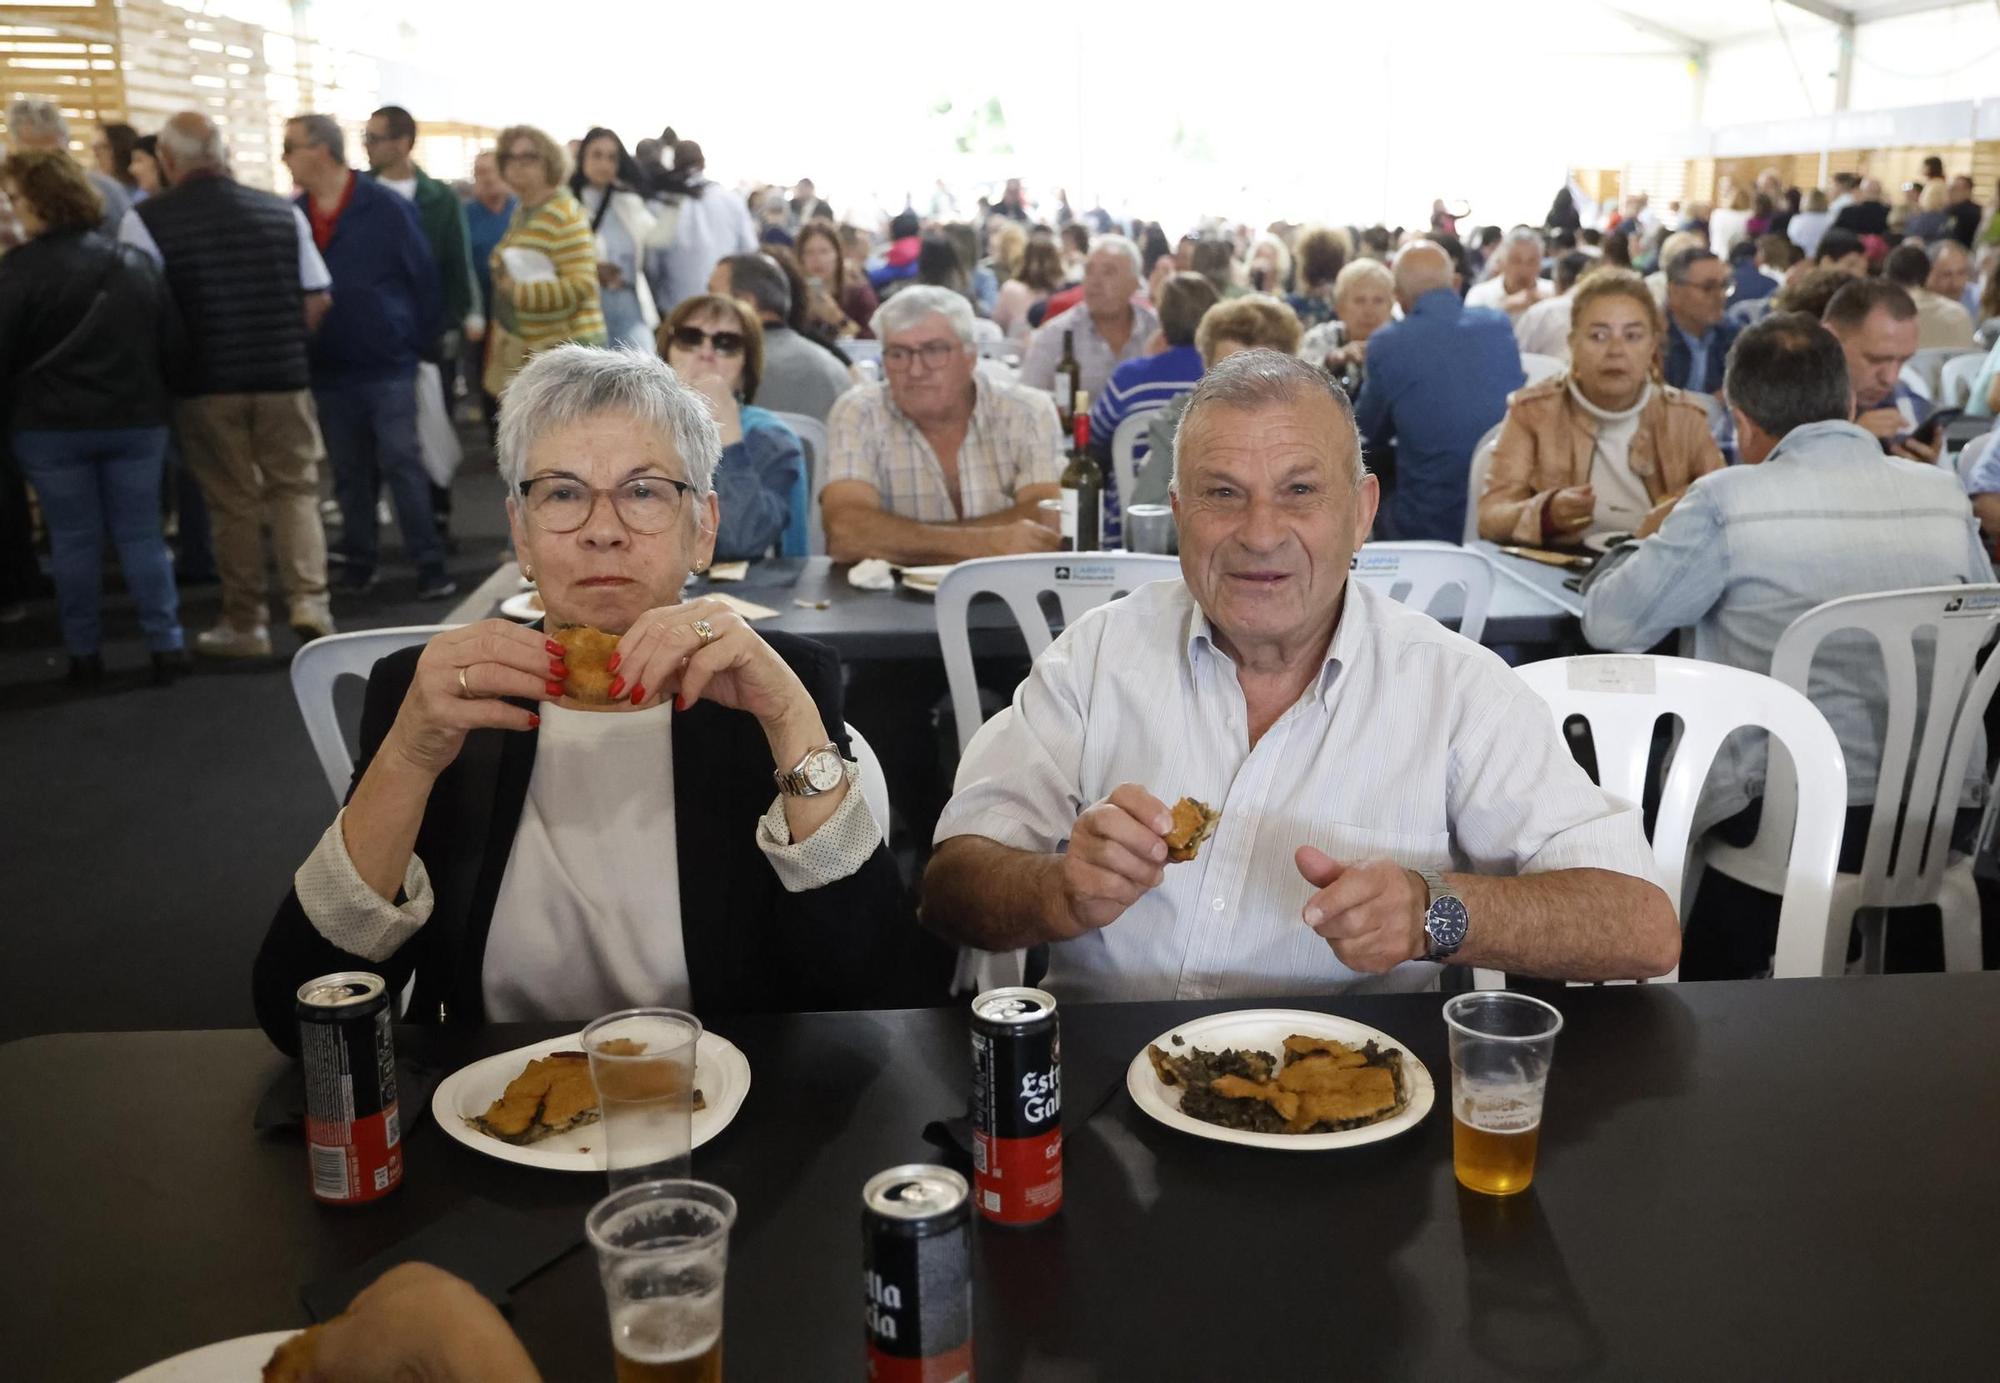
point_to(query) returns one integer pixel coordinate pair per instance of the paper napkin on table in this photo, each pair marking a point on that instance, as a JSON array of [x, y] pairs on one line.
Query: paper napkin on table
[[871, 575], [729, 571], [749, 609]]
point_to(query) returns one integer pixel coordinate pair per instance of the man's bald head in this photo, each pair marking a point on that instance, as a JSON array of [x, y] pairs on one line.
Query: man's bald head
[[1422, 267], [189, 142]]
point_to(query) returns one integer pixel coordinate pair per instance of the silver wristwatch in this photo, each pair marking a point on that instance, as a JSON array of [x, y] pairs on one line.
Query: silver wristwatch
[[1445, 920], [821, 770]]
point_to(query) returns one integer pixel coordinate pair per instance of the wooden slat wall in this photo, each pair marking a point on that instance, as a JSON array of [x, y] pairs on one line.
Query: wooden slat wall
[[67, 54], [176, 60], [1893, 167]]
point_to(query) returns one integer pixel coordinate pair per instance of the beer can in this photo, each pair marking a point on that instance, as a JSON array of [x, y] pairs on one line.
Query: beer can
[[354, 1136], [1016, 1105], [916, 1275]]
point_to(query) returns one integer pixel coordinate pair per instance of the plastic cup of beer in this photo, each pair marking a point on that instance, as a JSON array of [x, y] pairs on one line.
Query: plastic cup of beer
[[1149, 528], [1501, 1043], [642, 1061], [662, 1251]]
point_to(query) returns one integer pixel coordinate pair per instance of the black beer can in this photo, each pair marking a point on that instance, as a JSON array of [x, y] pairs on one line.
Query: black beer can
[[916, 1275], [354, 1136], [1016, 1105]]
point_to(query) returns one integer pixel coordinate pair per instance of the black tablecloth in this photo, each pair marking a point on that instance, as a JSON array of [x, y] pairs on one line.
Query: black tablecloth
[[1790, 1179]]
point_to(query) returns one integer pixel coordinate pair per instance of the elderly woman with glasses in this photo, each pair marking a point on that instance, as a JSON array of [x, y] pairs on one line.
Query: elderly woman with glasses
[[534, 843], [562, 300]]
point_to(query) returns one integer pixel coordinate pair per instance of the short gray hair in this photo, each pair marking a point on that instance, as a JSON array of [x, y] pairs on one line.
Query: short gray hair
[[39, 118], [1255, 378], [758, 278], [1524, 235], [192, 141], [325, 131], [571, 383], [1123, 245], [1938, 249], [906, 307]]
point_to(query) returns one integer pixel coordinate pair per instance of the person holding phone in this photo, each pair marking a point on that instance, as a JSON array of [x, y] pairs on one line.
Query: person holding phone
[[1875, 322]]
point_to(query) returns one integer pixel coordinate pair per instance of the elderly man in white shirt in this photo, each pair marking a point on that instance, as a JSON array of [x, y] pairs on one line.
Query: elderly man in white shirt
[[1519, 284], [1105, 330], [1391, 796]]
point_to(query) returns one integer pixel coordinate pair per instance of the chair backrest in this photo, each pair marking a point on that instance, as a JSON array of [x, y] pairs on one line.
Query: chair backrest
[[1988, 333], [1622, 699], [1955, 379], [1126, 439], [984, 330], [1475, 478], [1748, 311], [1923, 371], [1539, 367], [1960, 433], [1417, 573], [1972, 453], [874, 787], [857, 350], [1080, 582], [811, 535], [978, 971], [1917, 786], [318, 665]]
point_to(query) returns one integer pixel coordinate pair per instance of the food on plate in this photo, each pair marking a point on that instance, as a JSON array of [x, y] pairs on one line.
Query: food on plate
[[296, 1360], [1318, 1085], [554, 1094], [587, 654], [1194, 822]]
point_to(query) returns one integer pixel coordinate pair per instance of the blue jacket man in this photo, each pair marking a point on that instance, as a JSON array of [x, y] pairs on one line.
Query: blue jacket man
[[1698, 335]]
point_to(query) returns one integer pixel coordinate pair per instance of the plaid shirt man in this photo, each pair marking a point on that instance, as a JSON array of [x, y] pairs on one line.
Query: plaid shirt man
[[1014, 441]]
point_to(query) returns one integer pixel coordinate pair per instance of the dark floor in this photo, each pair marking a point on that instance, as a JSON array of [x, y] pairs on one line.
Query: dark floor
[[147, 834]]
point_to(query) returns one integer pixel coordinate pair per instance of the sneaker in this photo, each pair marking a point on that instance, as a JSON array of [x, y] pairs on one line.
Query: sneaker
[[227, 641], [436, 587], [329, 512], [311, 618], [353, 581]]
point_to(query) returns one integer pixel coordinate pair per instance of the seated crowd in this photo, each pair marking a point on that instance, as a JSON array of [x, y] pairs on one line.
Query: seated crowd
[[639, 334]]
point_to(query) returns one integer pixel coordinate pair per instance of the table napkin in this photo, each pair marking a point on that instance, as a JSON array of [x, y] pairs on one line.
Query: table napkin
[[871, 575], [749, 609]]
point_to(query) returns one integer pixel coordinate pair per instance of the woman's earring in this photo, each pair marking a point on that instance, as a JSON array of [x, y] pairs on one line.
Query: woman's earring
[[527, 571]]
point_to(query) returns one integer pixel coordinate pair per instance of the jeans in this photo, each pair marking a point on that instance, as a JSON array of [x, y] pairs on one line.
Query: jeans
[[370, 427], [88, 481]]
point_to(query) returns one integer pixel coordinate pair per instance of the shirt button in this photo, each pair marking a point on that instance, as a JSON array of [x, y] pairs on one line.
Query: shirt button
[[1217, 905]]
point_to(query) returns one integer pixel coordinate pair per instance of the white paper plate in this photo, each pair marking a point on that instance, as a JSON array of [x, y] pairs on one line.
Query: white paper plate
[[525, 607], [1265, 1029], [722, 1074], [924, 579], [240, 1360]]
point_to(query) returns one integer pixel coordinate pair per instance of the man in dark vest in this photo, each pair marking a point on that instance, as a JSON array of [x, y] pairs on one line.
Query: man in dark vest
[[250, 287], [391, 141]]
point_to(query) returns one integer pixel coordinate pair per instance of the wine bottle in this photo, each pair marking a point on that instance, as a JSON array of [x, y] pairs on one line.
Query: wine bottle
[[1067, 382], [1082, 487]]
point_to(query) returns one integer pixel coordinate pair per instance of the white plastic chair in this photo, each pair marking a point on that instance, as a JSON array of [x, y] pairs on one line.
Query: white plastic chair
[[1475, 478], [1924, 370], [1622, 698], [874, 787], [977, 970], [812, 436], [1417, 573], [985, 331], [1125, 439], [1970, 455], [1907, 859], [320, 664], [1080, 581], [1540, 367], [1955, 379]]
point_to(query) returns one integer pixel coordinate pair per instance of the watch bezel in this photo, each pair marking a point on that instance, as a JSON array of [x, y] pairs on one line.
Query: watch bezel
[[823, 769]]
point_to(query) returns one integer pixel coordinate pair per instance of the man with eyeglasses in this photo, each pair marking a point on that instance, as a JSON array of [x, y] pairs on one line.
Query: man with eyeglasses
[[385, 316], [799, 375], [941, 463], [1698, 334]]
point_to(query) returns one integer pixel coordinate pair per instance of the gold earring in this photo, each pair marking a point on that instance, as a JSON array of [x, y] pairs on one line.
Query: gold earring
[[527, 571]]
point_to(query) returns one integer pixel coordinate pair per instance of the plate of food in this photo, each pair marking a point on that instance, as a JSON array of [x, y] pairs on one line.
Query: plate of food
[[525, 606], [536, 1106], [241, 1360], [1281, 1078], [924, 579]]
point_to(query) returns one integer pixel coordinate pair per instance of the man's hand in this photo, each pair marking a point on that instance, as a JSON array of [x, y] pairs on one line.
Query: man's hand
[[1568, 513], [1370, 913], [1883, 422], [1116, 855], [1023, 535], [1910, 449]]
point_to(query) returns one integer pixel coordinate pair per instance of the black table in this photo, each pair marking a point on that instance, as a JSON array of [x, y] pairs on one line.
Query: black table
[[1777, 1179], [867, 626]]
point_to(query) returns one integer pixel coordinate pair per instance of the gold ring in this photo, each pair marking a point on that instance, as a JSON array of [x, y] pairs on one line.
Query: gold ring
[[704, 631], [463, 689]]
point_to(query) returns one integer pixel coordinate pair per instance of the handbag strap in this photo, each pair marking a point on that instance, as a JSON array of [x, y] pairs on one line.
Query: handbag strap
[[100, 295]]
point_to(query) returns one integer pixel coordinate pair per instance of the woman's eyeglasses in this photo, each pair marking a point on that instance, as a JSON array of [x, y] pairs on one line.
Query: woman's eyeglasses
[[694, 338], [563, 504]]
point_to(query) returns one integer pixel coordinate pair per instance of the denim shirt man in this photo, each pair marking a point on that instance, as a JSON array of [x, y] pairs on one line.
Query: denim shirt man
[[1751, 548], [1437, 380]]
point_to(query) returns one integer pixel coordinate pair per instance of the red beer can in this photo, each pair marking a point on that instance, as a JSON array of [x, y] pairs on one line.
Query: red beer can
[[916, 1275], [1016, 1105], [354, 1136]]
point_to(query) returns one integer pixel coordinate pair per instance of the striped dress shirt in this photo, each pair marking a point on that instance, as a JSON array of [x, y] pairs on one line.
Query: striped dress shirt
[[1412, 744]]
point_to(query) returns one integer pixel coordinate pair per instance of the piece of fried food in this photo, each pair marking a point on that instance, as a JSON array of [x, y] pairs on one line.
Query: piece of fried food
[[1286, 1102], [552, 1095], [587, 654], [1194, 822], [296, 1359], [1297, 1047], [1363, 1095]]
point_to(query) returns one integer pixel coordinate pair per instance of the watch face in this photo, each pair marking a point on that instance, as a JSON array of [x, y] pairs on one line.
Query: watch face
[[1446, 922], [824, 771]]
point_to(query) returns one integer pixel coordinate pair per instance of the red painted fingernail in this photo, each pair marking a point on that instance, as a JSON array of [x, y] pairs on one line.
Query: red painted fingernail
[[555, 649], [534, 722], [612, 666], [558, 668], [555, 688], [680, 702], [617, 687], [638, 695]]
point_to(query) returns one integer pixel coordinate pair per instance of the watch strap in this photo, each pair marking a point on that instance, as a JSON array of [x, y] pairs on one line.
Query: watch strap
[[793, 781]]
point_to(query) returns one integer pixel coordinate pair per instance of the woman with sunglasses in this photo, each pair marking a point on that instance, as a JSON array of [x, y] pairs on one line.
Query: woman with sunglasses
[[716, 346], [698, 839]]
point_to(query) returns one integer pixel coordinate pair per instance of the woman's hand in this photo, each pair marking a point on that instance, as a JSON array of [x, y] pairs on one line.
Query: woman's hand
[[420, 1324], [663, 654], [1656, 516], [460, 677], [608, 275], [722, 405], [1568, 513]]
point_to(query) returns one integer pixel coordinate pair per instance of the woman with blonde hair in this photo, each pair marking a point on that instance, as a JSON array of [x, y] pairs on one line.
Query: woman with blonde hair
[[1040, 274], [1606, 447], [545, 285]]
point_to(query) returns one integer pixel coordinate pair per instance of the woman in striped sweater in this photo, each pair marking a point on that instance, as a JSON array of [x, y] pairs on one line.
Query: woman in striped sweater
[[538, 310]]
